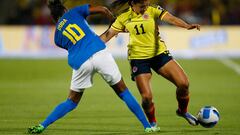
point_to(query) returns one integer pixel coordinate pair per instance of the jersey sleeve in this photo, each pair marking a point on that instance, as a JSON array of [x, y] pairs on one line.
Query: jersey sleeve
[[83, 10], [159, 12], [118, 25]]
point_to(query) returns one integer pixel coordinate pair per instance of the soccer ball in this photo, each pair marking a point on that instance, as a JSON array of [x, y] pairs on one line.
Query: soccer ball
[[208, 116]]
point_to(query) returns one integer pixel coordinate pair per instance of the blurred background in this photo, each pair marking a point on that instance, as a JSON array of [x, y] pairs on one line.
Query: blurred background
[[205, 12], [30, 23], [34, 75]]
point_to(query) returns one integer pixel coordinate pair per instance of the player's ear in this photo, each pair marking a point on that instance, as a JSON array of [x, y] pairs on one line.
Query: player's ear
[[65, 9]]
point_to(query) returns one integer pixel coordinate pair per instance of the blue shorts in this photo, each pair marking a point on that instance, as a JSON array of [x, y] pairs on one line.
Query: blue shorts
[[140, 66]]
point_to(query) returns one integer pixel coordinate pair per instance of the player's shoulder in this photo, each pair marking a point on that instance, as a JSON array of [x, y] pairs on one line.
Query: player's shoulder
[[82, 7], [156, 7], [75, 9], [79, 9]]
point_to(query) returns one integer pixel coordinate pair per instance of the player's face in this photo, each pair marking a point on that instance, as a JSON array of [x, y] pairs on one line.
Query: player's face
[[140, 8]]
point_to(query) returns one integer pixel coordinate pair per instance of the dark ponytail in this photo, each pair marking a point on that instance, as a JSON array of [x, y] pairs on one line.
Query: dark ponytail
[[119, 6], [57, 9]]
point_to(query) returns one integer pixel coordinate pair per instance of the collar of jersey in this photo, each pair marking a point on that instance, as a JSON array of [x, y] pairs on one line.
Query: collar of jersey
[[134, 14]]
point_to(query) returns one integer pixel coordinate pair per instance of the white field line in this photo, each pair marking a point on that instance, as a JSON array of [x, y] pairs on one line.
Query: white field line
[[231, 64]]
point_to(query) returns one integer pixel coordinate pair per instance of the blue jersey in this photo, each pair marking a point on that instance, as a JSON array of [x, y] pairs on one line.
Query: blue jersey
[[74, 34]]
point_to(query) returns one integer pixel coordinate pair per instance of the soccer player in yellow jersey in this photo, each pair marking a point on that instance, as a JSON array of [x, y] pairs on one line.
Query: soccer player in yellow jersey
[[147, 51]]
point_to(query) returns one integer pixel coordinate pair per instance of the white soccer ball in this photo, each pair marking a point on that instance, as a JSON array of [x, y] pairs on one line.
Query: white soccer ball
[[208, 116]]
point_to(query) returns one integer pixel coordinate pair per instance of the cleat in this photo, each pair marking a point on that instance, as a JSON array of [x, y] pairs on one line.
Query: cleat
[[192, 120], [36, 129], [155, 128], [148, 130]]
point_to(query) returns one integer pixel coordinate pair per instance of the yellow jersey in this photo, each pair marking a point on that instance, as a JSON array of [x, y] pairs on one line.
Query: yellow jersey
[[145, 41]]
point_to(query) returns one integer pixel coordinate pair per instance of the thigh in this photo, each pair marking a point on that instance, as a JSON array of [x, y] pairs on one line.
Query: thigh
[[141, 74], [173, 72], [140, 66], [160, 60], [106, 66], [82, 78]]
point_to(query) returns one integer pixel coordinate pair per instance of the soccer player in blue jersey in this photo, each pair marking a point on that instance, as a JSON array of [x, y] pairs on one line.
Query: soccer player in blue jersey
[[86, 55]]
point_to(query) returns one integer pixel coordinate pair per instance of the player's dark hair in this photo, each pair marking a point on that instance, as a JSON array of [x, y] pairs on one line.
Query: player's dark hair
[[119, 6], [57, 9]]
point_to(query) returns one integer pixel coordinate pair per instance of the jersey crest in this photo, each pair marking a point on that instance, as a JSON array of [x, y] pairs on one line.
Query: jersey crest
[[146, 16]]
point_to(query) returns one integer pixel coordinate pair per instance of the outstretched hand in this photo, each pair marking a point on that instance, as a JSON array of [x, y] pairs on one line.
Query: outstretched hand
[[194, 26]]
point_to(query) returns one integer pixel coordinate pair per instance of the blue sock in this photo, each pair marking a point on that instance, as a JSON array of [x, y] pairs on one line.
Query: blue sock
[[133, 105], [59, 112]]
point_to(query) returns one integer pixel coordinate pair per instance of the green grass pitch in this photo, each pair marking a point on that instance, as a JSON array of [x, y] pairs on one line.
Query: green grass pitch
[[30, 89]]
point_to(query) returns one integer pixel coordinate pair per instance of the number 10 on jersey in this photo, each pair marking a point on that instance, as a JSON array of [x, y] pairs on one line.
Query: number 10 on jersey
[[72, 35]]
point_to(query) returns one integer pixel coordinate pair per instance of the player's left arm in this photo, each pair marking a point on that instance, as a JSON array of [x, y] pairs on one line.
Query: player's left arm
[[102, 10], [108, 34], [169, 18]]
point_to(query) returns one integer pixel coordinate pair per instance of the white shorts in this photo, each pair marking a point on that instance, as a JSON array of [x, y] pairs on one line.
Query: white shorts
[[101, 62]]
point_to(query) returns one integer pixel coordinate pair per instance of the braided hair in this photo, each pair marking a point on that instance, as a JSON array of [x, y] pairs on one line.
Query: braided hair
[[119, 6], [57, 9]]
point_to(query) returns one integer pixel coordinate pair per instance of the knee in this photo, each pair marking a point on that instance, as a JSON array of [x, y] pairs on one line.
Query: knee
[[183, 88], [119, 87], [146, 97], [75, 96], [183, 84]]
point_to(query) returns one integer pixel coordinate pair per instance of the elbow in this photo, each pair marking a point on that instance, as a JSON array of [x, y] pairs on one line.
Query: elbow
[[103, 38], [103, 9]]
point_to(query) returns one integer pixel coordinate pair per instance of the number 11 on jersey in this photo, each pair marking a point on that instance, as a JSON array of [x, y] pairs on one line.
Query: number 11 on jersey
[[137, 31]]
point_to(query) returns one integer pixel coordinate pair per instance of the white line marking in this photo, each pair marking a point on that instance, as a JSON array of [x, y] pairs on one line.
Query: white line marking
[[231, 64]]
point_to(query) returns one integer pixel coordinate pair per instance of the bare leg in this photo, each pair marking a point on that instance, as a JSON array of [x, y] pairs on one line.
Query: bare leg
[[119, 87], [143, 84], [174, 73], [75, 96]]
